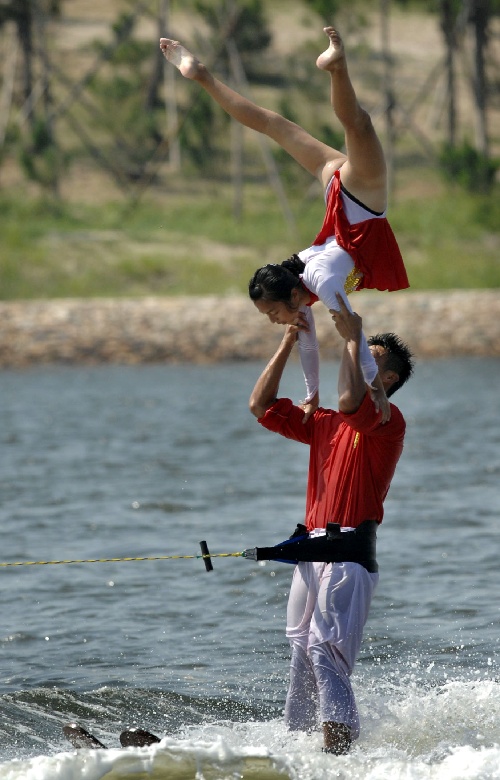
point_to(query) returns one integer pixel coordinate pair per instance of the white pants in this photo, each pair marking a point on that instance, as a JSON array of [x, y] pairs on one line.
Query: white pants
[[327, 610]]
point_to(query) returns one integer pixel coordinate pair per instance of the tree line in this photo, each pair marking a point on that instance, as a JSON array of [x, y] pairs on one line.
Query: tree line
[[123, 111]]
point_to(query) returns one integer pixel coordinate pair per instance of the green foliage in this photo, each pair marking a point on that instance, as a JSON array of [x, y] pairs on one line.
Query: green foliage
[[326, 9], [120, 90], [197, 131], [125, 50], [39, 157], [330, 11], [468, 167], [131, 133], [456, 6], [123, 26], [332, 137], [245, 23], [131, 53]]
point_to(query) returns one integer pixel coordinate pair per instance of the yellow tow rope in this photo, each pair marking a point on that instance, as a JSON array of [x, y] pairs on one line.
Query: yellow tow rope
[[120, 560]]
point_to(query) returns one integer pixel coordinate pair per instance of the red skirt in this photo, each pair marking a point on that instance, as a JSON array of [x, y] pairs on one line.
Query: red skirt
[[371, 244]]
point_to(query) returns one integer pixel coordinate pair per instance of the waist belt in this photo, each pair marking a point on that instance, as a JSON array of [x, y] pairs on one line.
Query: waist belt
[[357, 546]]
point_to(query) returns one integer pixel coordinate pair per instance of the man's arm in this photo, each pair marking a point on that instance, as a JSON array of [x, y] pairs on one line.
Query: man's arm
[[266, 388], [351, 384]]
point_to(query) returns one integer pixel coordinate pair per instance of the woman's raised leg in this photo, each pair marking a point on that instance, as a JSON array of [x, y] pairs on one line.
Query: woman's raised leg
[[364, 174], [312, 154]]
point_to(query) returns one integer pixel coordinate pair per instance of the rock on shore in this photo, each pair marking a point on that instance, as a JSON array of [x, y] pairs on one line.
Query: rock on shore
[[211, 329]]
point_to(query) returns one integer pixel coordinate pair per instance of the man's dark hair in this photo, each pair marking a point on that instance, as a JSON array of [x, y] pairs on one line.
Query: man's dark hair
[[399, 357]]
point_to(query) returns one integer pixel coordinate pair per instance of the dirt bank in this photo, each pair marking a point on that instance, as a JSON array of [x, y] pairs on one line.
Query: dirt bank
[[211, 329]]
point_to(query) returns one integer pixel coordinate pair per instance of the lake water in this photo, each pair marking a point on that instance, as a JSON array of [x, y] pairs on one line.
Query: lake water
[[129, 462]]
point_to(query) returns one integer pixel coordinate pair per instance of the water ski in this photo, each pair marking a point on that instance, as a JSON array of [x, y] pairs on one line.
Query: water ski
[[80, 737], [138, 738], [134, 737]]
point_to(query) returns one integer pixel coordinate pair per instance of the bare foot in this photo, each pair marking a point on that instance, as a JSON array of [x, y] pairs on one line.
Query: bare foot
[[335, 52], [175, 53], [337, 738]]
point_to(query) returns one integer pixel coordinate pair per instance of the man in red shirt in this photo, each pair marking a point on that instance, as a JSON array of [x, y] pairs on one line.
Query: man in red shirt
[[352, 460]]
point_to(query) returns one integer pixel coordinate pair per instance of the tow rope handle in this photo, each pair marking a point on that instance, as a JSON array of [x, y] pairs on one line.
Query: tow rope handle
[[205, 554]]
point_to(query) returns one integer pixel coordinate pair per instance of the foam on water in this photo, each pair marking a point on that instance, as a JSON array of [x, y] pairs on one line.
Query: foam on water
[[448, 732], [429, 722], [189, 759]]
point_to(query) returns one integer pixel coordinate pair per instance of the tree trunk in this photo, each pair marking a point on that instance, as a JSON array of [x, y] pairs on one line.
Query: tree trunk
[[156, 78], [448, 28], [39, 19], [388, 91], [478, 19], [174, 147], [24, 21]]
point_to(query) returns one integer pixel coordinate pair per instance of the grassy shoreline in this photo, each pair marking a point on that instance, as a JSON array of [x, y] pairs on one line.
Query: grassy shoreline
[[188, 243], [181, 238]]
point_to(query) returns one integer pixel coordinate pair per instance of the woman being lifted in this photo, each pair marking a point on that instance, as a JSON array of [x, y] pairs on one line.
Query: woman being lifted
[[355, 247]]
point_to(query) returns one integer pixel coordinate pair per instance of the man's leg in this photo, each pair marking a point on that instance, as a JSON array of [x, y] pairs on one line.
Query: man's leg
[[312, 154], [337, 705], [302, 700], [343, 603], [301, 706], [364, 174]]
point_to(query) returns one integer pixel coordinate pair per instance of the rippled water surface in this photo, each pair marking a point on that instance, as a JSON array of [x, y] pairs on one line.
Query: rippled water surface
[[130, 462]]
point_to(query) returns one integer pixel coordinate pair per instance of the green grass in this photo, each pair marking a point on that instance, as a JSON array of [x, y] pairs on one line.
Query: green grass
[[190, 244], [451, 241]]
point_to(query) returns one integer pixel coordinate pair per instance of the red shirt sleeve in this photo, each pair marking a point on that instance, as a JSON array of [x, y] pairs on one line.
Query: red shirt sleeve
[[285, 418], [367, 420]]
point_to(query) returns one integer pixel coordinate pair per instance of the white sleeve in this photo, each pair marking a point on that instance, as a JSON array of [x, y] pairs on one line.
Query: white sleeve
[[309, 354]]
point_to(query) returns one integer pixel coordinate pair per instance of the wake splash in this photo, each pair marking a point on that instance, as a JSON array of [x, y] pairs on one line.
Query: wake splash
[[447, 732]]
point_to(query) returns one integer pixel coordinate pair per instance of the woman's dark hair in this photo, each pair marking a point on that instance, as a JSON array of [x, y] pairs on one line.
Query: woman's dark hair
[[275, 282], [398, 357]]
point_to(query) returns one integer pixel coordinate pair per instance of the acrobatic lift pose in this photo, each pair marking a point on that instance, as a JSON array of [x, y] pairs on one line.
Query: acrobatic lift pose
[[356, 247]]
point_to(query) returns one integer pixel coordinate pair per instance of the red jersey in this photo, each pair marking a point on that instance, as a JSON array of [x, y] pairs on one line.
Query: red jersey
[[371, 244], [351, 462]]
